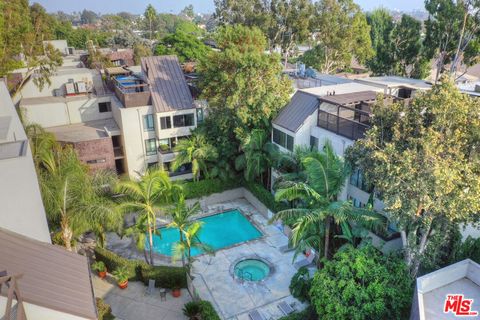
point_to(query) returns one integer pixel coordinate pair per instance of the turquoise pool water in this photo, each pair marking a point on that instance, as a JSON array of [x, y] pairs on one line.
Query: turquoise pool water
[[251, 270], [218, 231]]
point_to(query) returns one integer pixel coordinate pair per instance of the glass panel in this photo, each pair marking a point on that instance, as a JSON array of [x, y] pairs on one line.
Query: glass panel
[[150, 147], [178, 121], [289, 142], [189, 120], [199, 115], [148, 123], [165, 123]]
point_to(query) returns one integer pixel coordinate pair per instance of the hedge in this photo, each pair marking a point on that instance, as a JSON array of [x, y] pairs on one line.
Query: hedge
[[104, 310], [265, 196], [201, 310], [198, 189], [307, 314], [164, 276]]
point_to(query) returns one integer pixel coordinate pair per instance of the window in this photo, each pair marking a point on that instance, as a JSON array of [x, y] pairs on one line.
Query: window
[[199, 115], [313, 143], [96, 161], [357, 180], [283, 139], [148, 123], [151, 147], [152, 165], [184, 120], [104, 107], [164, 145], [165, 123]]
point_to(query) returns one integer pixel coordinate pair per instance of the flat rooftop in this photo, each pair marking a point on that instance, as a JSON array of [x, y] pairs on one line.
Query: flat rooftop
[[351, 98], [87, 131], [341, 89], [395, 81], [432, 289]]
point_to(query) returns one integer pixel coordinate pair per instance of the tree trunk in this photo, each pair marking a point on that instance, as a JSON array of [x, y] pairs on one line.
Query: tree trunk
[[453, 67], [67, 235], [327, 236], [150, 241], [421, 249], [183, 256]]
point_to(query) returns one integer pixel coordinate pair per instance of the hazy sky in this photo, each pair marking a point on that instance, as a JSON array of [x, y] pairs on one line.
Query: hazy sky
[[138, 6]]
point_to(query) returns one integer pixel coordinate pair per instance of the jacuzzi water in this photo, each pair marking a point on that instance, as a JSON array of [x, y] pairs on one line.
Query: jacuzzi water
[[251, 270], [218, 231]]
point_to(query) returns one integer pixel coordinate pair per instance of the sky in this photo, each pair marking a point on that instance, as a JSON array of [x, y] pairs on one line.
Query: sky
[[203, 6]]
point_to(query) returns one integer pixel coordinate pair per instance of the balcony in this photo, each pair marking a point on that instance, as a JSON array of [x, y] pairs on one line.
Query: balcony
[[132, 91], [347, 128]]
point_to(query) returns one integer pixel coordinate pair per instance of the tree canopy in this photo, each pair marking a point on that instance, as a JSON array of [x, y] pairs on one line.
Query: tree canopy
[[185, 46], [422, 157]]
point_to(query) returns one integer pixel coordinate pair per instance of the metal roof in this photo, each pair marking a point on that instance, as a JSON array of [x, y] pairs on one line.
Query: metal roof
[[51, 276], [167, 83], [350, 98], [292, 116]]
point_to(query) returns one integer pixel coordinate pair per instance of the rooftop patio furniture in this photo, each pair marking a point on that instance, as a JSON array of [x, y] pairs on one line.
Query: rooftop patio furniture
[[285, 308], [151, 287], [255, 315], [305, 262]]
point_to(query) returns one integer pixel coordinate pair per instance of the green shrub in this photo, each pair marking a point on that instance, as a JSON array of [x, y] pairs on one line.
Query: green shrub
[[104, 310], [300, 284], [164, 276], [198, 189], [136, 270], [202, 310], [265, 197], [470, 249], [307, 314]]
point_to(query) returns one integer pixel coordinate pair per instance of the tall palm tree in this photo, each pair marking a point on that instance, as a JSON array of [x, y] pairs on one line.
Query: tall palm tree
[[256, 159], [147, 197], [324, 175], [182, 217], [151, 15], [190, 241], [197, 151]]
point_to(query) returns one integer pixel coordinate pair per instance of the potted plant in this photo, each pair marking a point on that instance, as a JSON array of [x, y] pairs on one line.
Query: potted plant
[[176, 292], [121, 275], [192, 310], [100, 268]]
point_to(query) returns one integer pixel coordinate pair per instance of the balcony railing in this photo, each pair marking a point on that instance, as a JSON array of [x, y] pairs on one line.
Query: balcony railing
[[345, 127]]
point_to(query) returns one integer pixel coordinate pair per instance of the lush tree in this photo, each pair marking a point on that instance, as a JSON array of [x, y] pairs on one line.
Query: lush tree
[[186, 46], [341, 34], [151, 16], [197, 151], [257, 156], [362, 284], [317, 206], [147, 197], [452, 33], [242, 82], [422, 158], [381, 27], [88, 17], [139, 51], [188, 12], [96, 59]]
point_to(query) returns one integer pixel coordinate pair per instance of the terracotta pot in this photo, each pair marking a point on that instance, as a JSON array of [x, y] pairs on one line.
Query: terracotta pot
[[123, 285], [102, 274], [176, 293]]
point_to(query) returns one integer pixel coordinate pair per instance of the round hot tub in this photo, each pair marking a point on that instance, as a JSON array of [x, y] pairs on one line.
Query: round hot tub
[[251, 269]]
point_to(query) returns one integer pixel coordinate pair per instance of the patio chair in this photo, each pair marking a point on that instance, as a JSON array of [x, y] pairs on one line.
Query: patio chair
[[305, 262], [285, 308], [151, 287], [255, 315]]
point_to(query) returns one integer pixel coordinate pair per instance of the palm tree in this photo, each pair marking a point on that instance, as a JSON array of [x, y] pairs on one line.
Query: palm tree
[[181, 217], [256, 159], [190, 241], [151, 15], [147, 196], [324, 176], [197, 151]]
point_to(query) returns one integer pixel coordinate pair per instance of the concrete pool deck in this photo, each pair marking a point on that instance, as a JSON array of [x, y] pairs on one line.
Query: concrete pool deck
[[212, 279], [233, 300]]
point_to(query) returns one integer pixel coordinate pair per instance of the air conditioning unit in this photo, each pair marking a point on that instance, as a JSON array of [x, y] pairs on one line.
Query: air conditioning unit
[[81, 87], [70, 89]]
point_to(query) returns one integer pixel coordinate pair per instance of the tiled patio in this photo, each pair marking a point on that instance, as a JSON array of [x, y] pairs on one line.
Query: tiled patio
[[234, 300], [132, 303]]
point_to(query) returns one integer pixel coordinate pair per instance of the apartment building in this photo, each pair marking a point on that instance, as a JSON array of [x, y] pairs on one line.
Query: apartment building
[[124, 119], [38, 280], [340, 113]]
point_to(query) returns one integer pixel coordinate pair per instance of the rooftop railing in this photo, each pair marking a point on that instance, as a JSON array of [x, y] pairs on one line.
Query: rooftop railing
[[350, 129]]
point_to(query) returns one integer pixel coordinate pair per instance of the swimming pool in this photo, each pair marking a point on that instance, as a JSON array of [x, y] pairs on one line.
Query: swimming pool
[[218, 231]]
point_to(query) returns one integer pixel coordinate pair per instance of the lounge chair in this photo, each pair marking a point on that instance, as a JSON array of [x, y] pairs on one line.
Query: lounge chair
[[285, 308], [255, 315], [305, 262], [151, 287]]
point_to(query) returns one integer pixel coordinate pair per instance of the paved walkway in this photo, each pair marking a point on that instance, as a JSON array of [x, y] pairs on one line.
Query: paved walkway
[[133, 304]]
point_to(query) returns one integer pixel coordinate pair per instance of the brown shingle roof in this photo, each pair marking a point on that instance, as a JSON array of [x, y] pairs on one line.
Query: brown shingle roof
[[167, 83], [52, 277]]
